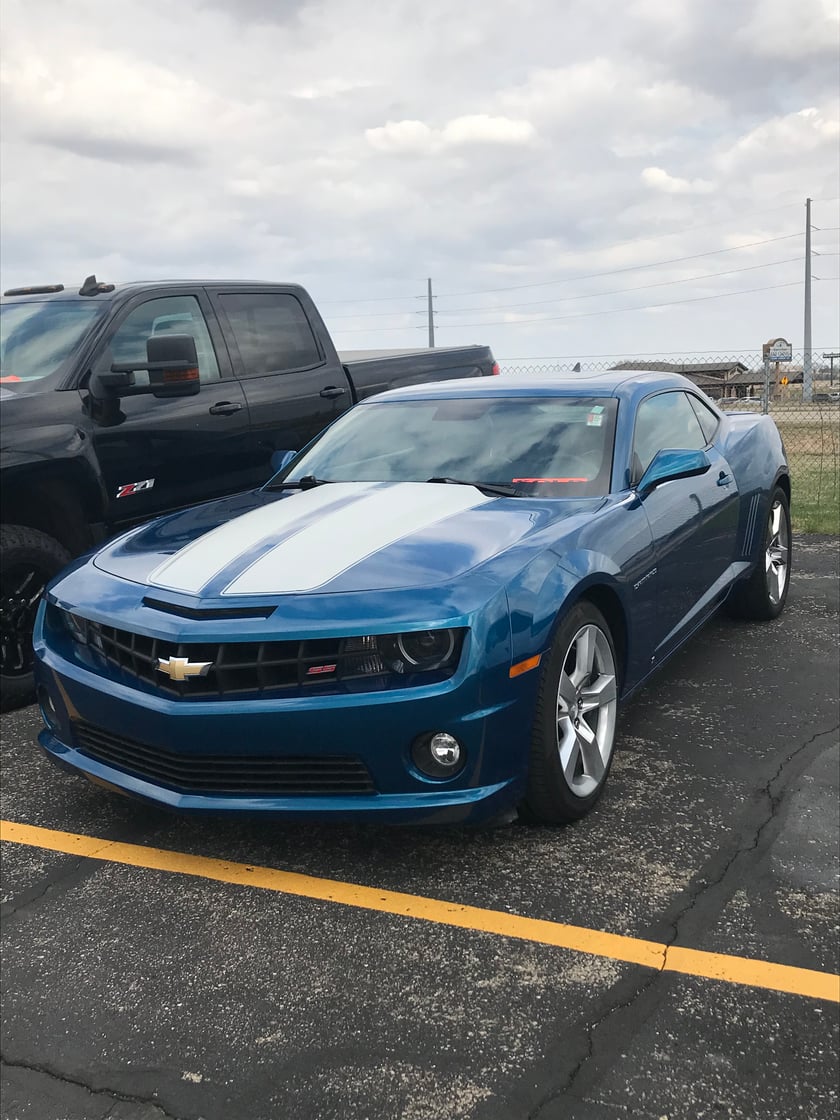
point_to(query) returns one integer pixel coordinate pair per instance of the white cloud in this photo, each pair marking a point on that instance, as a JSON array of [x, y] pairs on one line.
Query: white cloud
[[784, 139], [401, 136], [416, 137], [660, 180], [483, 129]]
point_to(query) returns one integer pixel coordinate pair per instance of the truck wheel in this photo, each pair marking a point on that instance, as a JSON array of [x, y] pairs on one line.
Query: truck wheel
[[28, 560]]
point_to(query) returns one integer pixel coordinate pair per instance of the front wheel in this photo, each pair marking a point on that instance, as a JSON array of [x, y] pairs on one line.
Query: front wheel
[[762, 597], [28, 561], [575, 720]]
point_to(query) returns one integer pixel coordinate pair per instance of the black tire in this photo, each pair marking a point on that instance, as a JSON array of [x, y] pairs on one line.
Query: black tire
[[28, 560], [558, 793], [762, 597]]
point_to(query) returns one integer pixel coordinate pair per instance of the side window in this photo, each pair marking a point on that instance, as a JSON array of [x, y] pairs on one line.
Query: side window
[[169, 314], [708, 421], [666, 420], [272, 332]]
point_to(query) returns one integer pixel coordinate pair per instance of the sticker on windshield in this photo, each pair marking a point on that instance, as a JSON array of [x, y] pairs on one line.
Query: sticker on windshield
[[595, 417], [129, 488]]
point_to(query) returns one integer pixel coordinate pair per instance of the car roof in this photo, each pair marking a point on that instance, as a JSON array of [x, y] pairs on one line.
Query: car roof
[[623, 383]]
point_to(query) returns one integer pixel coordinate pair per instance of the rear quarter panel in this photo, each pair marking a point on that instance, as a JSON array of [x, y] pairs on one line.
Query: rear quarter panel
[[754, 450]]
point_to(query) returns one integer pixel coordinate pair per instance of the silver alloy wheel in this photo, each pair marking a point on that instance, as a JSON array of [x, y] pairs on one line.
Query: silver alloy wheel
[[587, 698], [777, 555]]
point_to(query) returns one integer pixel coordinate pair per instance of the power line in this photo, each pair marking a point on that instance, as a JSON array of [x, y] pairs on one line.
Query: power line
[[614, 245], [637, 288], [628, 268], [588, 314], [563, 299]]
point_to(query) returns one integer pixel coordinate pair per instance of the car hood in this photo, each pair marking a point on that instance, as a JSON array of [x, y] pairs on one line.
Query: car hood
[[340, 537]]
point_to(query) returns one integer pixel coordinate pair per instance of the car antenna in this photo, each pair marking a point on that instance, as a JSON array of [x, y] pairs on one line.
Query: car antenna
[[92, 287]]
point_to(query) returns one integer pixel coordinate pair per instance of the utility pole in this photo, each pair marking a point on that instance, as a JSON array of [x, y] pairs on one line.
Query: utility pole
[[807, 374], [432, 315]]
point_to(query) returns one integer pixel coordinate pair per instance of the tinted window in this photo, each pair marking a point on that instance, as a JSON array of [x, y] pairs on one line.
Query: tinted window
[[553, 446], [167, 315], [707, 418], [272, 332], [666, 420], [37, 338]]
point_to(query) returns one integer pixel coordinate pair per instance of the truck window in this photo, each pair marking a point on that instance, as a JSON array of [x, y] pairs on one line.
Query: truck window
[[37, 337], [272, 332], [168, 314]]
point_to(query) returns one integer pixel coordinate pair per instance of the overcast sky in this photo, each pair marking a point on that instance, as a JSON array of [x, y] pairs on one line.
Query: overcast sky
[[509, 150]]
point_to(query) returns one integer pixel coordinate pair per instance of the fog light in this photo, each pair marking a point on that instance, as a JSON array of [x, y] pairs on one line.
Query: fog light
[[437, 754], [48, 713], [445, 749]]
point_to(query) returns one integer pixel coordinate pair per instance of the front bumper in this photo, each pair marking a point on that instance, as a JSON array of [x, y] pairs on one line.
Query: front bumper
[[375, 728]]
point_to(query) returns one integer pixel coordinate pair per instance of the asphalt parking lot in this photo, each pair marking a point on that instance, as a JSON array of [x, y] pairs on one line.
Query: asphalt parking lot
[[158, 967]]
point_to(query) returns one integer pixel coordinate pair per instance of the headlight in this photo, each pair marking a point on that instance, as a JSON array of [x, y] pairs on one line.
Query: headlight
[[416, 651], [426, 649]]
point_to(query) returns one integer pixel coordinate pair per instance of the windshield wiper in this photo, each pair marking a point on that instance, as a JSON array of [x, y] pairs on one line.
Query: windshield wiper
[[308, 482], [484, 487]]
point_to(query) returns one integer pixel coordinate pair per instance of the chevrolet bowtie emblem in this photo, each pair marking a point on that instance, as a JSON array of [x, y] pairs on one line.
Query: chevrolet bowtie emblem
[[180, 668]]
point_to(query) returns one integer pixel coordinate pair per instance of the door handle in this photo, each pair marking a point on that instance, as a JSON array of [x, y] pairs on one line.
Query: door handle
[[724, 479], [333, 391], [224, 408]]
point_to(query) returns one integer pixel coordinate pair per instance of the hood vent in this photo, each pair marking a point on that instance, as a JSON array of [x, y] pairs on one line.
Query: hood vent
[[207, 613]]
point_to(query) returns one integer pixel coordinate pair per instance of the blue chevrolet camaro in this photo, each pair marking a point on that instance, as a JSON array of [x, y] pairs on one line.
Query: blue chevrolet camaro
[[430, 614]]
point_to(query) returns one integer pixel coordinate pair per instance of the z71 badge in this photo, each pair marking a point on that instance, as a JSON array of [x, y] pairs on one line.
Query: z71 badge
[[129, 488]]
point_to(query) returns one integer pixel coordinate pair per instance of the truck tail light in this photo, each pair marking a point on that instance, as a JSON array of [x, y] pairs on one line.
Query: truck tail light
[[495, 371]]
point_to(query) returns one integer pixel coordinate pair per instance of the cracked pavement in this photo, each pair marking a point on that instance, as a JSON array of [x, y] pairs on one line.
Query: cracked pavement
[[132, 994]]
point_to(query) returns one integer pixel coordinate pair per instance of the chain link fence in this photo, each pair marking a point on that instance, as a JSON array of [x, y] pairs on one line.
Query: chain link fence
[[808, 421]]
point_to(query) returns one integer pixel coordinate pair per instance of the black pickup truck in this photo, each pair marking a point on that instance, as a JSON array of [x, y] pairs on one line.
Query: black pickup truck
[[121, 402]]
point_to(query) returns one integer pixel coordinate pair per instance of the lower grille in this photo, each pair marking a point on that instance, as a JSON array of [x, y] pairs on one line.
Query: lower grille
[[234, 774]]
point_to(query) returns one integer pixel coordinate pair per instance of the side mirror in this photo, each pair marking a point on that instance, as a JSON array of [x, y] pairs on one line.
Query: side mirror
[[669, 464], [281, 459], [172, 364]]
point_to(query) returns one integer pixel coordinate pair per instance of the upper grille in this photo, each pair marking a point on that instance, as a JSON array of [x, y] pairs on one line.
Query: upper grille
[[237, 667], [235, 774], [253, 669]]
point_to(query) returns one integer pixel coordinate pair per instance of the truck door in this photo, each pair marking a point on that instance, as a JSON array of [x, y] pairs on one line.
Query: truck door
[[293, 391], [160, 454]]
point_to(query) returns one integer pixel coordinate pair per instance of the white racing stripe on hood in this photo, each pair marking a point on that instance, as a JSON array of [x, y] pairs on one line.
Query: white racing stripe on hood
[[192, 567], [343, 537]]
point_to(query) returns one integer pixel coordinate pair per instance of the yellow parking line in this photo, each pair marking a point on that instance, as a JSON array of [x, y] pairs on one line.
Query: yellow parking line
[[633, 950]]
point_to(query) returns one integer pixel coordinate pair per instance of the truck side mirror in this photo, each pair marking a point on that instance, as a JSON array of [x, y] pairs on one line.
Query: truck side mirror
[[172, 365]]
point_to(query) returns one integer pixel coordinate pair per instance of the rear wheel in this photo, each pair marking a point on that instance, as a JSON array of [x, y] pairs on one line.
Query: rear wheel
[[28, 560], [762, 597], [575, 720]]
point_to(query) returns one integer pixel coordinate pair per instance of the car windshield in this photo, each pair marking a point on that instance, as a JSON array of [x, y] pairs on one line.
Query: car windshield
[[546, 445], [38, 336]]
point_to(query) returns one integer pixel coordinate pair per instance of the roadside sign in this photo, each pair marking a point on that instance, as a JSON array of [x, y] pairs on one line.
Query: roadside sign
[[784, 381], [778, 350]]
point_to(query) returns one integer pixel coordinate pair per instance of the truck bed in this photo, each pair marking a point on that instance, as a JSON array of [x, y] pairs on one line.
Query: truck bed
[[374, 371]]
